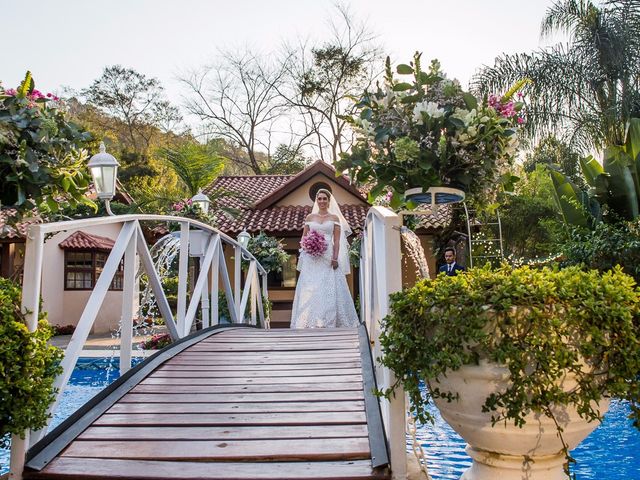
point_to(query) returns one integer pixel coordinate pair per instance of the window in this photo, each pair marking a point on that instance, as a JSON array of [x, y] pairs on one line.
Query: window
[[289, 275], [82, 269]]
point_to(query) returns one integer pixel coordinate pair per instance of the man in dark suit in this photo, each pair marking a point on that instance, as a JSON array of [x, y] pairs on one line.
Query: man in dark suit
[[451, 267]]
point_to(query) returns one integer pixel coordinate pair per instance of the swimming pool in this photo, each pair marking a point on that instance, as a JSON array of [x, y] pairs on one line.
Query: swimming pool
[[611, 452]]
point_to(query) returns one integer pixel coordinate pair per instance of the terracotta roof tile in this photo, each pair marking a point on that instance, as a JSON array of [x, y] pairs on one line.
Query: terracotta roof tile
[[249, 188], [85, 241], [18, 231], [285, 219]]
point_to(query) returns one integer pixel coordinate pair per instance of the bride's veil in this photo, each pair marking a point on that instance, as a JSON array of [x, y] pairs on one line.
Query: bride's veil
[[345, 230]]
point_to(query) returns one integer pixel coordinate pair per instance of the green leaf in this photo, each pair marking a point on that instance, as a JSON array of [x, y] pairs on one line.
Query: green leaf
[[633, 138], [623, 193], [470, 100], [401, 87], [568, 200], [396, 200], [591, 169], [27, 85], [404, 69]]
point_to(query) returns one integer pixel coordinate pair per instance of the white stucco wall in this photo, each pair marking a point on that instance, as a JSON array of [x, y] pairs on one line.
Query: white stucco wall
[[64, 307]]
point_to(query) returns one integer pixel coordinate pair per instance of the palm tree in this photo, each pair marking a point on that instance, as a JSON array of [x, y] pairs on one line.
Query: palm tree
[[196, 165], [586, 89]]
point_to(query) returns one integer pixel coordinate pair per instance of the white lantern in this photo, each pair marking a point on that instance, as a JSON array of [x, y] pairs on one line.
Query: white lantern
[[202, 201], [243, 238], [104, 170]]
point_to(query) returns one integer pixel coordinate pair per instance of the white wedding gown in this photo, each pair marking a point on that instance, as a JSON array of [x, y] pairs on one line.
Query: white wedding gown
[[322, 298]]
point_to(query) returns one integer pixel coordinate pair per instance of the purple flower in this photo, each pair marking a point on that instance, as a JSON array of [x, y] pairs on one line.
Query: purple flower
[[11, 92]]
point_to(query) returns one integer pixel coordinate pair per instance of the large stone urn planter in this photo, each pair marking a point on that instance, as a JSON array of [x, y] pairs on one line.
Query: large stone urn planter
[[505, 451]]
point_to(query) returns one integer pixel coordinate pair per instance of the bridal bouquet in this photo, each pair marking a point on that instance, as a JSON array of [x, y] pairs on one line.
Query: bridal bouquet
[[314, 243]]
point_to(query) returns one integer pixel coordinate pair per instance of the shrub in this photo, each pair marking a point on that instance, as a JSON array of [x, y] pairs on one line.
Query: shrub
[[63, 329], [28, 367], [269, 251]]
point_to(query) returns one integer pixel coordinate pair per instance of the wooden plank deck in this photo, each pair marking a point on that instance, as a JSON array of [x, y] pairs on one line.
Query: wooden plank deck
[[237, 404]]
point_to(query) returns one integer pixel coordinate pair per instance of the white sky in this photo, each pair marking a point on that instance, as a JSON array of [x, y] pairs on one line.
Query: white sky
[[69, 42]]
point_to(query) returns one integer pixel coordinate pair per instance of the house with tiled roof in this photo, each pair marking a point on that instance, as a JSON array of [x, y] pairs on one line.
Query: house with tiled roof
[[75, 259], [278, 205]]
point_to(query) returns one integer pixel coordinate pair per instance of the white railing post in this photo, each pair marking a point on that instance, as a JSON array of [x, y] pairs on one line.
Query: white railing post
[[383, 276], [30, 306], [128, 290], [215, 276], [237, 282], [183, 270], [252, 286]]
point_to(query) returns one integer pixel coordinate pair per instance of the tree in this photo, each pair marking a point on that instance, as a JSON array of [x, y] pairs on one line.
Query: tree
[[238, 100], [554, 153], [287, 161], [136, 101], [323, 81], [196, 165], [42, 154], [585, 90]]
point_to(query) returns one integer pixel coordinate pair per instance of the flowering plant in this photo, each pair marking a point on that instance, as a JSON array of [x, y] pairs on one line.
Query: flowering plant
[[428, 132], [42, 155], [156, 342], [314, 243], [269, 251], [186, 208]]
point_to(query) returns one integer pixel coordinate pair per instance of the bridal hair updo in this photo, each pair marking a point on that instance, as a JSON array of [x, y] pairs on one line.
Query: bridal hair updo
[[325, 191]]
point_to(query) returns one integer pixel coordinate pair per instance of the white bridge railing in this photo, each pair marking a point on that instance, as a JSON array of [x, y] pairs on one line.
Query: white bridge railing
[[381, 275], [196, 239]]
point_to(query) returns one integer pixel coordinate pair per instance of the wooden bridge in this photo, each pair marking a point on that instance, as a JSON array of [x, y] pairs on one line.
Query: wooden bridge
[[238, 401], [230, 403]]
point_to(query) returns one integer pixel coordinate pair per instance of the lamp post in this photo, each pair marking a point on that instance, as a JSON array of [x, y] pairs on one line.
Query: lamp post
[[202, 201], [104, 170]]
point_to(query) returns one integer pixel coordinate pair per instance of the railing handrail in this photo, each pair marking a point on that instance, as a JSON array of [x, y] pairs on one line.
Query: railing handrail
[[55, 227]]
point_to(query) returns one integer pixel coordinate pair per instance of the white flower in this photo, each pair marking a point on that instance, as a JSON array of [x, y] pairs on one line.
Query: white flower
[[465, 115], [472, 131], [430, 108], [366, 127]]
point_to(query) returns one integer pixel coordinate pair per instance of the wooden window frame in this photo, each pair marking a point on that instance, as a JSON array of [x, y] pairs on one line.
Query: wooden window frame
[[118, 277]]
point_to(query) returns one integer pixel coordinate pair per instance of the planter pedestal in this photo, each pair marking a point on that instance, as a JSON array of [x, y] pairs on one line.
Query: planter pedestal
[[504, 451], [493, 466]]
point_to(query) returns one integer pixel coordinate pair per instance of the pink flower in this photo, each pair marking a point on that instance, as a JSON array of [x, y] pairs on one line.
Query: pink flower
[[520, 120], [11, 92], [314, 243], [36, 95]]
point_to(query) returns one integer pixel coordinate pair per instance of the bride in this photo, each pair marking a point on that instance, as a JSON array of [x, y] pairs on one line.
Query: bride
[[322, 297]]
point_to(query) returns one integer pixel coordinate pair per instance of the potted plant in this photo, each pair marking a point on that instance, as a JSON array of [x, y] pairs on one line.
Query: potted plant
[[521, 362], [268, 251], [423, 131]]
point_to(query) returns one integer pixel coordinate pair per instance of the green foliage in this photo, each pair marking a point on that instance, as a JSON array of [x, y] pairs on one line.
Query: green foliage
[[530, 225], [540, 324], [605, 246], [42, 155], [28, 367], [425, 131], [614, 185], [269, 251], [196, 165], [286, 161]]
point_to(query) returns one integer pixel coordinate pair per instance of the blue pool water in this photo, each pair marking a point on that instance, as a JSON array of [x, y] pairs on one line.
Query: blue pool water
[[611, 452]]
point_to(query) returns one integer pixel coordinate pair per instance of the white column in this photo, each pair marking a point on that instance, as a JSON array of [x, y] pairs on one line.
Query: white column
[[30, 306], [128, 290], [237, 283], [183, 270]]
